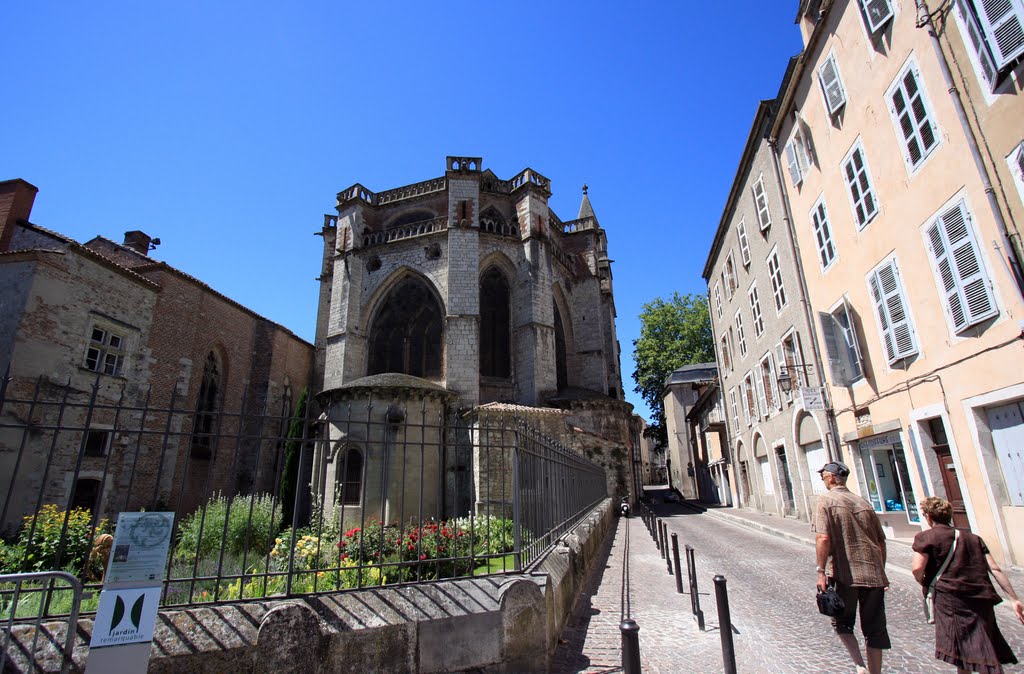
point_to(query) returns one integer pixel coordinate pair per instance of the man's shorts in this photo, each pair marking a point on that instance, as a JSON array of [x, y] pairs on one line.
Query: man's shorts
[[871, 601]]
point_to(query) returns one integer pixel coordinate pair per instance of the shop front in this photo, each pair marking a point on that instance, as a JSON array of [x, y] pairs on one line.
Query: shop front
[[885, 482]]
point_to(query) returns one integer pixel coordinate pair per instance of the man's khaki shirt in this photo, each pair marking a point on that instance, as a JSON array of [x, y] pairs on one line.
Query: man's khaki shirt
[[856, 536]]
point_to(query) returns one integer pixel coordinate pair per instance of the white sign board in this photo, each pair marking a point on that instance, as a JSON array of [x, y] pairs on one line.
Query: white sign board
[[813, 398], [125, 616], [140, 548]]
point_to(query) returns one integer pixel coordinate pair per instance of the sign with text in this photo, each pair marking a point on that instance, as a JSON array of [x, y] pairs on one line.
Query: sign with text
[[140, 547], [813, 398], [125, 616]]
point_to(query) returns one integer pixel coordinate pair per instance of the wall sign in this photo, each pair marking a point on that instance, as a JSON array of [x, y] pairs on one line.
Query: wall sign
[[813, 398], [125, 616]]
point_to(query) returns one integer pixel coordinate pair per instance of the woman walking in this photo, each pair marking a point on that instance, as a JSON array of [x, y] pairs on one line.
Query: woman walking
[[966, 634]]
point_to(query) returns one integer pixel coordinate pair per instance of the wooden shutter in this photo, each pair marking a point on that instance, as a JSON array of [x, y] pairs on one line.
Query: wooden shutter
[[961, 273], [831, 85], [891, 307], [793, 161], [877, 13], [1003, 23], [978, 43]]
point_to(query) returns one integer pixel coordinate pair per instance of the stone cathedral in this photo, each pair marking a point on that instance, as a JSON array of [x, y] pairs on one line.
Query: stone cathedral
[[461, 293]]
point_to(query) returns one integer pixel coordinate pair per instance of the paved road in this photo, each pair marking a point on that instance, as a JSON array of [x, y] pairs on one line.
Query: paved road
[[771, 580]]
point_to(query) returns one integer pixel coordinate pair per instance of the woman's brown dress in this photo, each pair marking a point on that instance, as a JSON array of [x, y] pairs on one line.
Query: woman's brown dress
[[966, 634]]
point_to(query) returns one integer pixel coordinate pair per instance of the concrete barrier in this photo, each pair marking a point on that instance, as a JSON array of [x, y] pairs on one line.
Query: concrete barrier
[[493, 624]]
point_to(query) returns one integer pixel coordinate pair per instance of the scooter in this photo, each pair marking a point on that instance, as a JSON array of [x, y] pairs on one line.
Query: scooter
[[624, 507]]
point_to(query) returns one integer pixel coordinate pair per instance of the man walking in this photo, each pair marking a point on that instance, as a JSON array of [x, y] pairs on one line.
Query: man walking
[[850, 551]]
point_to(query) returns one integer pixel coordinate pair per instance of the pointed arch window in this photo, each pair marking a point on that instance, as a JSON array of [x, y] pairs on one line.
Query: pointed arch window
[[495, 325], [561, 370], [406, 333], [207, 407]]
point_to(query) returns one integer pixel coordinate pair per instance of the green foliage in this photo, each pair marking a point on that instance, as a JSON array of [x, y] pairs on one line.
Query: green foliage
[[292, 449], [202, 535], [673, 333], [41, 551]]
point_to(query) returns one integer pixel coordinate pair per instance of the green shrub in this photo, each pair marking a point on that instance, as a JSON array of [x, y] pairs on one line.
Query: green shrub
[[41, 551], [201, 532]]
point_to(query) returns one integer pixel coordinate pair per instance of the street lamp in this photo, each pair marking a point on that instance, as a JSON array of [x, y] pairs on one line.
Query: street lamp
[[786, 379]]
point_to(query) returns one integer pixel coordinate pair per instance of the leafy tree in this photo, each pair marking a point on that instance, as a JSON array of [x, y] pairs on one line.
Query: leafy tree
[[290, 473], [673, 333]]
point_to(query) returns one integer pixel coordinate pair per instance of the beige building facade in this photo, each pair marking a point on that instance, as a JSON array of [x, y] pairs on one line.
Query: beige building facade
[[900, 136]]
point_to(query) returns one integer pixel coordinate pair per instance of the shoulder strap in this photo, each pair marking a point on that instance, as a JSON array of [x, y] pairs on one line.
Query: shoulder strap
[[956, 537]]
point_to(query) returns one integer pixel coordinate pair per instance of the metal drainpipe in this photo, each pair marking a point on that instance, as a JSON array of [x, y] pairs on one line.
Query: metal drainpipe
[[924, 20], [794, 248]]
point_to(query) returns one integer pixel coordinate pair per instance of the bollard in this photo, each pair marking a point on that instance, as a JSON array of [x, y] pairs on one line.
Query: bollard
[[691, 571], [664, 539], [668, 557], [675, 561], [725, 625], [630, 646], [657, 537]]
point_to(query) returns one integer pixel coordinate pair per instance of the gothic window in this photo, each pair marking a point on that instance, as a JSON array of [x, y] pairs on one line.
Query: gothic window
[[406, 333], [495, 325], [352, 472], [561, 371], [206, 409]]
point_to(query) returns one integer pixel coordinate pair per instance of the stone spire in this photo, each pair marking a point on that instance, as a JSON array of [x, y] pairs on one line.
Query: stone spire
[[585, 209]]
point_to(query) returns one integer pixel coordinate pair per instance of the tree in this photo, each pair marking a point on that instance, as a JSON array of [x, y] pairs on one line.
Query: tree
[[673, 333]]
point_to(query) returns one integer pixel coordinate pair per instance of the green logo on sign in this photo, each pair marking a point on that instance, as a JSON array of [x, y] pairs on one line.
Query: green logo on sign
[[136, 614]]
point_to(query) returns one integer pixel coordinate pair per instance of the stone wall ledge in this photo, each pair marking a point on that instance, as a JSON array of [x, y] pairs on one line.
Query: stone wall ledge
[[493, 624]]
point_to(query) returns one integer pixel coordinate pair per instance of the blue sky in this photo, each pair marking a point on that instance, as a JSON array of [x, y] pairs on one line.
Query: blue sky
[[227, 128]]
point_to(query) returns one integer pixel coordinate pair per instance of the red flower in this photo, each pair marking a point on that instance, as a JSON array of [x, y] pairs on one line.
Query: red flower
[[422, 557]]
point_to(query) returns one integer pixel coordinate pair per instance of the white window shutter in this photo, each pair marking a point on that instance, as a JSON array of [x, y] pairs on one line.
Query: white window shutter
[[1003, 23], [958, 261], [793, 161], [761, 394], [855, 363], [897, 331], [877, 13], [831, 85], [773, 382], [831, 332], [978, 43]]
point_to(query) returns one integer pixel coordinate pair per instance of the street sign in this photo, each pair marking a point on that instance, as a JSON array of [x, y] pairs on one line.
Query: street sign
[[125, 617], [140, 548], [813, 398]]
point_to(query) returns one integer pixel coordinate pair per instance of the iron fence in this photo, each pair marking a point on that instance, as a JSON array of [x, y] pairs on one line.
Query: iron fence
[[350, 489]]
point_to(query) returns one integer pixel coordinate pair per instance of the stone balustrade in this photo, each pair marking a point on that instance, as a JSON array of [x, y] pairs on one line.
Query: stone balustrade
[[405, 231], [409, 191], [531, 177]]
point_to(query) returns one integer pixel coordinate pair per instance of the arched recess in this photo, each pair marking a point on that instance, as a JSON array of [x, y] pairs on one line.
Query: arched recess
[[407, 329], [495, 324], [409, 217], [208, 404], [350, 476], [565, 342]]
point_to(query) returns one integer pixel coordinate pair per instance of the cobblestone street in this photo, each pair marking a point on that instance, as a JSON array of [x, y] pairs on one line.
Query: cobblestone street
[[770, 575]]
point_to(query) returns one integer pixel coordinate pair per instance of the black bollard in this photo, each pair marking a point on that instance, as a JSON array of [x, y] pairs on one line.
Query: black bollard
[[691, 572], [664, 539], [631, 646], [668, 556], [657, 536], [725, 625], [675, 561]]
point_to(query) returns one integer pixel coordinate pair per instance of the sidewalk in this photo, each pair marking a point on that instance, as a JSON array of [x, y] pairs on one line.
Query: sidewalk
[[899, 551]]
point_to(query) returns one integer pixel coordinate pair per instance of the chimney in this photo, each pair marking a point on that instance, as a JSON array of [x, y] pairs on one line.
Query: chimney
[[137, 241], [16, 199]]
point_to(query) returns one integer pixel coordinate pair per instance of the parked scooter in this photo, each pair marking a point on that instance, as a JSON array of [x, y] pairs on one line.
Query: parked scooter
[[624, 507]]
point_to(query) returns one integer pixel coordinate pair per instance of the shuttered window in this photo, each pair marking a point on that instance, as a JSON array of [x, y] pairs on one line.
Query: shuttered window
[[898, 338], [764, 216], [976, 41], [1002, 21], [831, 85], [858, 183], [912, 115], [778, 289], [750, 410], [718, 299], [797, 158], [769, 384], [730, 277], [841, 345], [823, 234], [735, 408], [762, 400], [726, 359], [755, 310], [876, 13], [741, 234], [959, 269], [740, 337]]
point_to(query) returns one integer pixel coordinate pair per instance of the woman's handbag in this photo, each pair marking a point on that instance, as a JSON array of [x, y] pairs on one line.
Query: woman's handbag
[[929, 597]]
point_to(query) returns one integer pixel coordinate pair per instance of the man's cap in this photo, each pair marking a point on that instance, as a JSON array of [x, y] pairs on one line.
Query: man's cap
[[835, 468]]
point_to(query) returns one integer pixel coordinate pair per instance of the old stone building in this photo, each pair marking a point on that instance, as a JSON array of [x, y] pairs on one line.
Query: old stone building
[[477, 291], [115, 339]]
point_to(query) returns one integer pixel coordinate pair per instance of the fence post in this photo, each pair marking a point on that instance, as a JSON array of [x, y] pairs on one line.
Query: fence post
[[725, 625], [675, 561], [630, 646], [691, 571]]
